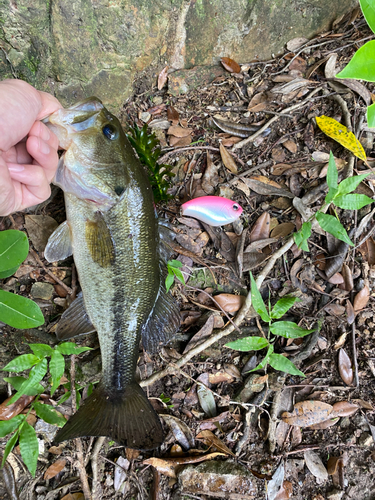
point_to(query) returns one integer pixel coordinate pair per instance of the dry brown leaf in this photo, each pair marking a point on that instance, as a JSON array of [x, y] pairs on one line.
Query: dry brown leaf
[[168, 466], [296, 436], [315, 465], [347, 277], [306, 413], [296, 43], [350, 313], [55, 468], [178, 131], [180, 431], [74, 496], [258, 102], [290, 146], [285, 491], [345, 367], [228, 160], [219, 377], [325, 425], [211, 440], [210, 177], [364, 404], [320, 261], [56, 450], [39, 228], [230, 65], [335, 309], [336, 279], [162, 78], [344, 409], [242, 187], [282, 230], [370, 243], [229, 302], [251, 260], [281, 433], [173, 115], [361, 299], [180, 142], [298, 64], [280, 168], [261, 228], [202, 335], [262, 185], [9, 411], [341, 341]]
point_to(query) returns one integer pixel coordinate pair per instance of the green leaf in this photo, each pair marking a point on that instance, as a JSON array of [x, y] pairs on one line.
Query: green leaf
[[19, 312], [17, 382], [282, 306], [9, 447], [362, 64], [49, 414], [169, 281], [41, 350], [248, 344], [257, 301], [350, 184], [289, 330], [65, 397], [264, 361], [368, 10], [301, 236], [69, 348], [9, 272], [332, 174], [56, 368], [21, 363], [175, 263], [29, 447], [179, 275], [283, 364], [8, 426], [371, 115], [333, 226], [35, 376], [14, 248], [352, 201]]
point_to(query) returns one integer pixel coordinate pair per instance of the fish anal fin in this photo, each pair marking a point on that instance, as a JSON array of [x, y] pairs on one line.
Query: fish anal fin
[[59, 245], [74, 321], [126, 417], [99, 241], [163, 322]]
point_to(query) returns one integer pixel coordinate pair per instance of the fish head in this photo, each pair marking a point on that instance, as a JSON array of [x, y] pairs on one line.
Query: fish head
[[93, 167]]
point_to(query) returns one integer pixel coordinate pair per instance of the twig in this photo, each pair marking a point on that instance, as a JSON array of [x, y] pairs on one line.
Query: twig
[[282, 113], [50, 273], [355, 360], [189, 148], [225, 331], [96, 490]]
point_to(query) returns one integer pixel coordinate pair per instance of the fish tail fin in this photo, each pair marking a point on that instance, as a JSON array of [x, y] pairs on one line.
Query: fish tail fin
[[126, 417]]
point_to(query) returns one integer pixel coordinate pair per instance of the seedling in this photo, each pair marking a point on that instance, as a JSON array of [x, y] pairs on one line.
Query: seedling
[[340, 195], [16, 311], [147, 147], [173, 267], [38, 365], [286, 329]]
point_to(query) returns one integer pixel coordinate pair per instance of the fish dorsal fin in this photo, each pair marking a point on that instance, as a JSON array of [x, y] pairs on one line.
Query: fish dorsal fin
[[59, 245], [74, 321], [162, 323], [99, 241]]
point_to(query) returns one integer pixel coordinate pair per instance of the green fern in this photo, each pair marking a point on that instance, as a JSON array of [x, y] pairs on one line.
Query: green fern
[[147, 147]]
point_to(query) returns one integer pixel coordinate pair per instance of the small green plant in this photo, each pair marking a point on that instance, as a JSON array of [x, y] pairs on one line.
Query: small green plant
[[340, 195], [166, 400], [37, 363], [147, 147], [362, 64], [16, 311], [173, 267], [286, 329]]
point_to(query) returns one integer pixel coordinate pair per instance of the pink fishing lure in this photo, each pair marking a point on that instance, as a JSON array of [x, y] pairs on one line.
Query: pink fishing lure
[[213, 210]]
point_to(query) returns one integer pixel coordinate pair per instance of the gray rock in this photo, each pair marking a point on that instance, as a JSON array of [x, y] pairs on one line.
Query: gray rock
[[48, 431], [42, 291]]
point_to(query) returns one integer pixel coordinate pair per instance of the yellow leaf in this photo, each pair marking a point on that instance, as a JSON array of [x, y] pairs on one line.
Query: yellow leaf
[[342, 135]]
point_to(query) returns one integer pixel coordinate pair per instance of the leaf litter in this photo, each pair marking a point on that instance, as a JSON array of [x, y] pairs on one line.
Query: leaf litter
[[279, 182]]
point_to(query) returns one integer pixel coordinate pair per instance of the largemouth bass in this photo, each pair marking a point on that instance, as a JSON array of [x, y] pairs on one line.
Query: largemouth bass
[[112, 232]]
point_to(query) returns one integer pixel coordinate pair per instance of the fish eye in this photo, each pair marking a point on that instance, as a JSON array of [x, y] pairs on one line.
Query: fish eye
[[235, 207], [110, 132]]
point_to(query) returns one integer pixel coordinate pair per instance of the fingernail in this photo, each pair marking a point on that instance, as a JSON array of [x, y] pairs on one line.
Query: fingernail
[[44, 148], [15, 167]]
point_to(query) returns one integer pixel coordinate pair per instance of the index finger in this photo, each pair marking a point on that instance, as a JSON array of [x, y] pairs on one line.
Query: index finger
[[49, 105]]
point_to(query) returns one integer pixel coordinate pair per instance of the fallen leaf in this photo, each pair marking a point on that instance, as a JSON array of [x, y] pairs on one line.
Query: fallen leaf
[[274, 486], [173, 115], [211, 440], [296, 43], [178, 131], [335, 309], [261, 228], [201, 335], [347, 277], [162, 78], [370, 243], [345, 367], [74, 496], [180, 142], [205, 396], [320, 261], [219, 377], [282, 230], [341, 341], [180, 431], [350, 313], [39, 228], [281, 433], [285, 492], [336, 279], [344, 409], [299, 64], [214, 422], [364, 404], [262, 185], [55, 468], [228, 160], [315, 465], [168, 466], [341, 134], [306, 413], [296, 436], [361, 299], [290, 146], [230, 65], [325, 425], [9, 411], [330, 70], [229, 302], [251, 260]]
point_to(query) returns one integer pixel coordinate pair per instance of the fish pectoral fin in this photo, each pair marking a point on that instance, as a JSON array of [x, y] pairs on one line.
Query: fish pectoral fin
[[59, 245], [74, 321], [127, 417], [99, 241], [163, 322]]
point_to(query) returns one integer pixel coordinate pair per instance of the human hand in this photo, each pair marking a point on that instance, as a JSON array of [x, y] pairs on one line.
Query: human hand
[[28, 149]]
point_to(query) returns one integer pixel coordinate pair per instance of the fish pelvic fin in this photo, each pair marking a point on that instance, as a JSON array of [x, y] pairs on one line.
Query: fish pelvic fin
[[126, 417]]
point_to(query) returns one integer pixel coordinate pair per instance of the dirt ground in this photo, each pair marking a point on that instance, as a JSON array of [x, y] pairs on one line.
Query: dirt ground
[[225, 434]]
